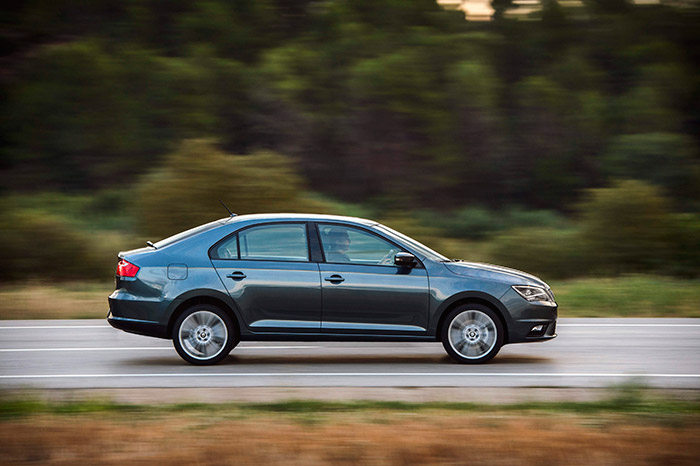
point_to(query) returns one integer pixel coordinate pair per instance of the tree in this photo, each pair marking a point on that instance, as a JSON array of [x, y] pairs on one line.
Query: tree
[[668, 160]]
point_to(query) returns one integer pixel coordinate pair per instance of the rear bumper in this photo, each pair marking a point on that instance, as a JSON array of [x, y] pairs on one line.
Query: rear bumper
[[134, 315], [139, 327]]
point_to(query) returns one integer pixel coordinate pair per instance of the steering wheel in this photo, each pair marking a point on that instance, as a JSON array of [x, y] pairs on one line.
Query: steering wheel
[[389, 258]]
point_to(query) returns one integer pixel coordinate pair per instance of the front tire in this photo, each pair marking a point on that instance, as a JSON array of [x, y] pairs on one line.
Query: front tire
[[203, 335], [472, 334]]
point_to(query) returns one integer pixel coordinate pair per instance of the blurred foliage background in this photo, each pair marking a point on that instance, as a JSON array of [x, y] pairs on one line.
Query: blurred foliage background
[[564, 144]]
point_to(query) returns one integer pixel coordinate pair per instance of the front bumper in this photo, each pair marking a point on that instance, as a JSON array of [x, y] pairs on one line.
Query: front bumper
[[522, 330], [524, 316], [526, 334]]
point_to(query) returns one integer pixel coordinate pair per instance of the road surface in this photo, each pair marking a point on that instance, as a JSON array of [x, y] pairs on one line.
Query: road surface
[[663, 353]]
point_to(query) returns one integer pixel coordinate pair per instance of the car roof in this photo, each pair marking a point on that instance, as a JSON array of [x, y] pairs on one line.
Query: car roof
[[302, 217]]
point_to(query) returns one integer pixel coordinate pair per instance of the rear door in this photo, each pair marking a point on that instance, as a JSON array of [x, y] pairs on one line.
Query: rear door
[[267, 271], [363, 291]]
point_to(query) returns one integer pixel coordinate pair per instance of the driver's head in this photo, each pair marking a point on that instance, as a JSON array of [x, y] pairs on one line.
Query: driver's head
[[338, 240]]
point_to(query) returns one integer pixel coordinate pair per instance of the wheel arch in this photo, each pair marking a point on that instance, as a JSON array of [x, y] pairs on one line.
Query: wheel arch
[[475, 297], [212, 297]]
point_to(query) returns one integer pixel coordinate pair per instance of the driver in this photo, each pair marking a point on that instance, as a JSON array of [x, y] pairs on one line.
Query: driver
[[338, 244]]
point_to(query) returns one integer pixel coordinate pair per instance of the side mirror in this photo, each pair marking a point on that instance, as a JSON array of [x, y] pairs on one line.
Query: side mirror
[[405, 259]]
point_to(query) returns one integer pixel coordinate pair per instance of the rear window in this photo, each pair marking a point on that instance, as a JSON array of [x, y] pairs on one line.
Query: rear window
[[188, 233]]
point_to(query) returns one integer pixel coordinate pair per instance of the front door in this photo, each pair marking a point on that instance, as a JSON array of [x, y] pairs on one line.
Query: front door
[[267, 271], [363, 291]]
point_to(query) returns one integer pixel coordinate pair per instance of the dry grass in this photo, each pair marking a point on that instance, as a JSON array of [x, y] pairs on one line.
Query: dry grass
[[80, 300], [347, 438]]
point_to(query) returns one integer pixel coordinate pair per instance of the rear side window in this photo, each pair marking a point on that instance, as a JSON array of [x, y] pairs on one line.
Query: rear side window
[[279, 242], [227, 250]]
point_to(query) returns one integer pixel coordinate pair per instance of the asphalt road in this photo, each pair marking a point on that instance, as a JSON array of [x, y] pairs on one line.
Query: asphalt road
[[662, 353]]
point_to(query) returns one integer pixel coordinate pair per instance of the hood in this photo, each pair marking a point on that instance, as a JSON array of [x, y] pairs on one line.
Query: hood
[[494, 272]]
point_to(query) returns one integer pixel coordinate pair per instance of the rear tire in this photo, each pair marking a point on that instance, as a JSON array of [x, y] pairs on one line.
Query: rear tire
[[472, 334], [203, 335]]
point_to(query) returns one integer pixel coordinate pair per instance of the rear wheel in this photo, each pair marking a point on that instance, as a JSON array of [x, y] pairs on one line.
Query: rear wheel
[[472, 334], [203, 335]]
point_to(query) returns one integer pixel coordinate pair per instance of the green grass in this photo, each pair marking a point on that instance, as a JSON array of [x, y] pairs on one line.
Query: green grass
[[630, 296], [631, 400]]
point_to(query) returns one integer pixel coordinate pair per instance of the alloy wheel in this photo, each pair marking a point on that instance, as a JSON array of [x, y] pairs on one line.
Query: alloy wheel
[[472, 334], [203, 335]]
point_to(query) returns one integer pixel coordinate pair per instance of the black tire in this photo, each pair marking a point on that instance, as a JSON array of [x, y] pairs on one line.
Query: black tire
[[204, 335], [472, 333]]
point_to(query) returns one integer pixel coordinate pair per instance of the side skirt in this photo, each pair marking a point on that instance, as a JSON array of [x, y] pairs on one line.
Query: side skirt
[[264, 336]]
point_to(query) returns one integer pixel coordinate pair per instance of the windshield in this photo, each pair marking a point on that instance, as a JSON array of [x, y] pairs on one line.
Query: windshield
[[419, 247]]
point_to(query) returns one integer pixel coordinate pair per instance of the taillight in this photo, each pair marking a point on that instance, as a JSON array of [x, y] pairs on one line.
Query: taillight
[[126, 269]]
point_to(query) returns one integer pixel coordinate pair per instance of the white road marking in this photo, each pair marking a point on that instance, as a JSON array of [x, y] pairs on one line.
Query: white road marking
[[627, 325], [34, 327], [141, 348], [350, 374], [23, 350]]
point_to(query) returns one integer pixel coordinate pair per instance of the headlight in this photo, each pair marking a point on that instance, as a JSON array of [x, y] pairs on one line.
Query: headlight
[[535, 294]]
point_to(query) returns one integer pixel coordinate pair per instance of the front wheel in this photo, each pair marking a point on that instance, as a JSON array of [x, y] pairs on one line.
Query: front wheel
[[472, 334], [203, 335]]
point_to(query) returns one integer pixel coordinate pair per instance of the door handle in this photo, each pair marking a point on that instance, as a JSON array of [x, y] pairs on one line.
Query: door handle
[[236, 275], [335, 278]]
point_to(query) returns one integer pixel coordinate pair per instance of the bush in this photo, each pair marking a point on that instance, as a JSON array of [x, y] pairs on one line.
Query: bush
[[471, 223], [417, 229], [477, 223], [686, 245], [627, 227], [548, 252], [48, 248], [185, 190], [518, 217]]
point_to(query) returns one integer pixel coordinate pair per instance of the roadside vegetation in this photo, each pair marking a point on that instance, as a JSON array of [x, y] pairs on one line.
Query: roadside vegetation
[[629, 399], [624, 296], [359, 432], [567, 146], [624, 253]]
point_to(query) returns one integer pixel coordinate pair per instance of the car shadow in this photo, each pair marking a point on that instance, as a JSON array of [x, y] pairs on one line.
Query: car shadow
[[281, 360], [519, 360], [234, 359], [175, 360], [244, 360], [340, 359]]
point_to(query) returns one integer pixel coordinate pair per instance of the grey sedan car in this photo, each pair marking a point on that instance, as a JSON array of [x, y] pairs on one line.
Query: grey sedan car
[[320, 277]]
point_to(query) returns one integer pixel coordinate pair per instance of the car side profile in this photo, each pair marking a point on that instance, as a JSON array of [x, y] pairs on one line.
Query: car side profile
[[320, 277]]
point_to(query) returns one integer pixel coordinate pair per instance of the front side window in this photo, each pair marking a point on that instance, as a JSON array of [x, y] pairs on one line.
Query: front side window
[[342, 244], [280, 242]]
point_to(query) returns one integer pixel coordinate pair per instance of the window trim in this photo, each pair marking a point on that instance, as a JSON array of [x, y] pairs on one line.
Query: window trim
[[419, 263], [302, 223], [315, 246]]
